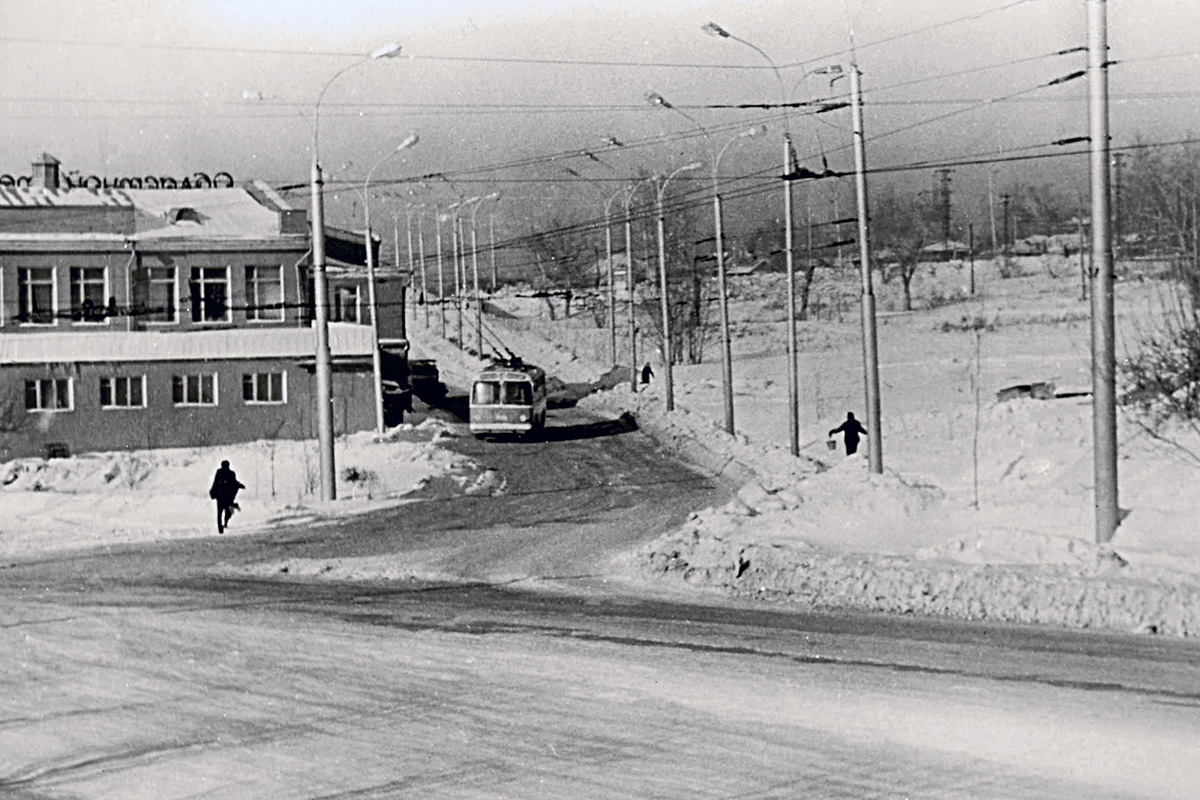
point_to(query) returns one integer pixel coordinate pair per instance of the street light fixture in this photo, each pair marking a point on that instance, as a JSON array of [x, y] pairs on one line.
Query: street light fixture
[[324, 360], [376, 356], [661, 187]]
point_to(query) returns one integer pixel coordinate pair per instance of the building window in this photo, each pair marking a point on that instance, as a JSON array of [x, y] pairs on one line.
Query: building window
[[35, 290], [89, 294], [194, 390], [345, 304], [264, 387], [123, 392], [210, 294], [49, 394], [264, 293], [155, 295]]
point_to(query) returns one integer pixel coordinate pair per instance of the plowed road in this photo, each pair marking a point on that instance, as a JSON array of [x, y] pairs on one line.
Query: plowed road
[[148, 672]]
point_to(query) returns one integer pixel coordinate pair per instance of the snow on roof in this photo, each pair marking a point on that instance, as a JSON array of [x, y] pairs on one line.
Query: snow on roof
[[202, 345], [216, 213]]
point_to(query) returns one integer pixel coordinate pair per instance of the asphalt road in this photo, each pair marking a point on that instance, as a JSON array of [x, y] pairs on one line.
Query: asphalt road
[[148, 671]]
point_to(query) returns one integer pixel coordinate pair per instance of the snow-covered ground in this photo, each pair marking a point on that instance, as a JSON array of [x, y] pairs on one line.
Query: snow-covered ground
[[112, 498], [984, 509]]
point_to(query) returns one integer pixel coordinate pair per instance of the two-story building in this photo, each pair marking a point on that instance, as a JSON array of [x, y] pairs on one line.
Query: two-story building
[[139, 318]]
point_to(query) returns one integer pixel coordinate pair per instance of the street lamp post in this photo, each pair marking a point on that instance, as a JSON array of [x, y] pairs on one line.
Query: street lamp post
[[723, 289], [612, 288], [376, 356], [492, 247], [631, 285], [412, 261], [668, 379], [441, 272], [475, 270], [324, 360], [789, 170], [719, 238], [460, 279]]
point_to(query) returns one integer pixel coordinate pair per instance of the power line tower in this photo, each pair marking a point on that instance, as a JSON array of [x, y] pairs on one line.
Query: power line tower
[[944, 190]]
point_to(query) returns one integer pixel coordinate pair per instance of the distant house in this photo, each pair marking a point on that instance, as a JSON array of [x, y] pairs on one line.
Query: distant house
[[948, 250], [139, 318]]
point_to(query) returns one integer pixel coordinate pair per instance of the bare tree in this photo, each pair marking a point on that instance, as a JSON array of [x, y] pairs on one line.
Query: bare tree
[[901, 228]]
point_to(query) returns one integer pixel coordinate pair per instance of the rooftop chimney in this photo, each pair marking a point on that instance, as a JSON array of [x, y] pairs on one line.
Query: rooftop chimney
[[45, 171]]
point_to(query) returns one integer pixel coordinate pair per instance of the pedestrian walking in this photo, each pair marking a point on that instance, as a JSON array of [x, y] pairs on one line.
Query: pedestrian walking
[[647, 374], [851, 429], [224, 490]]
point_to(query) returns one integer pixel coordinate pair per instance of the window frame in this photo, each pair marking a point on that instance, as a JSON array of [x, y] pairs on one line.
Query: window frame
[[255, 308], [24, 317], [37, 384], [202, 305], [112, 381], [182, 380], [100, 312], [251, 380], [346, 289], [173, 309]]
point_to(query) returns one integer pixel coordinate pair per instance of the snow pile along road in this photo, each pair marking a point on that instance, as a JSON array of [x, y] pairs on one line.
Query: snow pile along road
[[827, 534], [101, 499]]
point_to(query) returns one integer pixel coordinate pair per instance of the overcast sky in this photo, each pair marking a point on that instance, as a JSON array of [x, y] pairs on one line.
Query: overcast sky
[[159, 87]]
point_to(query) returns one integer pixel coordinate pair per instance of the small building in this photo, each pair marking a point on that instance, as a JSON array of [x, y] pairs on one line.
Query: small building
[[948, 250], [140, 318]]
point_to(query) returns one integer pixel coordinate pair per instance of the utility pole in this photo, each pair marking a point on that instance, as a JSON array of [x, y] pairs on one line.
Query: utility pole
[[971, 251], [869, 335], [1004, 201], [1104, 396], [944, 187], [1118, 162]]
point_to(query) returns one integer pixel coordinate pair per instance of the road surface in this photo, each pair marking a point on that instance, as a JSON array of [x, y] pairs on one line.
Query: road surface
[[152, 671]]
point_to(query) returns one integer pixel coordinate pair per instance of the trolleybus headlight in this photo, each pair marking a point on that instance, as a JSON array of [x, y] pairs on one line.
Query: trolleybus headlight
[[524, 418]]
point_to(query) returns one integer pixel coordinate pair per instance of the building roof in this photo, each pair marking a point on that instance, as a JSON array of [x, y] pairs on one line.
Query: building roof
[[203, 345], [158, 214]]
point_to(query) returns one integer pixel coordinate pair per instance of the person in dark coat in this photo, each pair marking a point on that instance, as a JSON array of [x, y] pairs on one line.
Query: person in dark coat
[[851, 429], [224, 490], [647, 374]]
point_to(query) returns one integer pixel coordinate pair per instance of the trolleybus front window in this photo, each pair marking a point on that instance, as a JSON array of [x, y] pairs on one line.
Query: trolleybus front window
[[487, 393], [518, 394]]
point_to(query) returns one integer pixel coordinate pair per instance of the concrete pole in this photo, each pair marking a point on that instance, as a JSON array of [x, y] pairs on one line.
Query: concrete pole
[[631, 286], [869, 335], [612, 285], [324, 359], [789, 246], [668, 378], [726, 348], [376, 358], [424, 270], [441, 273], [1104, 405], [492, 248]]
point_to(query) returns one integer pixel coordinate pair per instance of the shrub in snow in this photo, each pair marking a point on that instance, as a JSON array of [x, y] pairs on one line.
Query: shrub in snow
[[1163, 379]]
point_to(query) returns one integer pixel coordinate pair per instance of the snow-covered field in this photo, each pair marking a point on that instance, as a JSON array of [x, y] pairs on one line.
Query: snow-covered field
[[984, 509]]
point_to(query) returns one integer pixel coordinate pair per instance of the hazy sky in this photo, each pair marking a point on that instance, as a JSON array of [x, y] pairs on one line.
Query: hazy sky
[[137, 87]]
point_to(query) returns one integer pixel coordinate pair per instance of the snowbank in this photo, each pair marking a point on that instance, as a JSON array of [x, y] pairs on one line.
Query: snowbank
[[111, 498]]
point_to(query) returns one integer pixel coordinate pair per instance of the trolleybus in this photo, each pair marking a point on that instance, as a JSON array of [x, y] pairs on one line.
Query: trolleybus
[[508, 397]]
